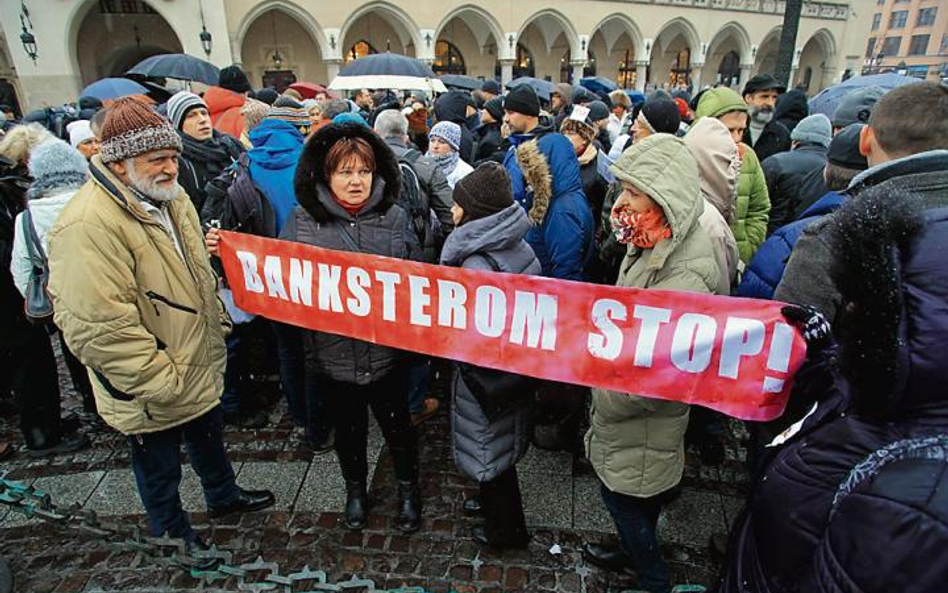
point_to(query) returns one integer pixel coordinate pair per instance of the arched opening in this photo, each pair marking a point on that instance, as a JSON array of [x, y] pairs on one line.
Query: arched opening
[[448, 59], [278, 50], [114, 36], [382, 28], [360, 49], [729, 46], [474, 34], [729, 69], [812, 70], [614, 41], [671, 55], [566, 68], [548, 37], [766, 59]]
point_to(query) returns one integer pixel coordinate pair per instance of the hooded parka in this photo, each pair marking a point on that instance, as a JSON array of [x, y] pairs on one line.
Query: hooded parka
[[636, 444]]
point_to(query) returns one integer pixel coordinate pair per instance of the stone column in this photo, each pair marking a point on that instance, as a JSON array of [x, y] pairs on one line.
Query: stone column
[[746, 70], [506, 71], [696, 77], [578, 66], [641, 73], [332, 69]]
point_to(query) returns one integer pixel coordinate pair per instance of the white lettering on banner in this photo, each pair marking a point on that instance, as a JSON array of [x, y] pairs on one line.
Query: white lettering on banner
[[534, 315], [779, 358], [451, 299], [388, 280], [273, 273], [248, 263], [420, 300], [693, 342], [652, 318], [608, 345], [301, 281], [742, 337], [357, 280], [329, 298], [490, 311]]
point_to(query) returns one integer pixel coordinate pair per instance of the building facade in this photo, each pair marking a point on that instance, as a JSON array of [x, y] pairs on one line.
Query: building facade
[[909, 37], [276, 41]]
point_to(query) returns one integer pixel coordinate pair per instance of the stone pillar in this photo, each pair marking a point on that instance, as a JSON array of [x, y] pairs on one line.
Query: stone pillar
[[696, 77], [506, 71], [332, 69], [578, 66], [641, 73], [746, 70]]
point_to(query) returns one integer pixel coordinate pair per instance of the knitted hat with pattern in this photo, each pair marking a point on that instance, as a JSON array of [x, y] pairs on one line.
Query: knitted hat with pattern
[[448, 131], [254, 111], [131, 128], [55, 166]]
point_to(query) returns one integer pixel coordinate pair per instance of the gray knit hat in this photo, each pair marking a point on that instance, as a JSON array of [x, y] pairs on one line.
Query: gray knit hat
[[180, 104], [815, 129], [55, 166]]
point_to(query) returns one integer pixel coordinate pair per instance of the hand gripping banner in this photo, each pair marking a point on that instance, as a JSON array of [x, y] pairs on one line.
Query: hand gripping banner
[[734, 355]]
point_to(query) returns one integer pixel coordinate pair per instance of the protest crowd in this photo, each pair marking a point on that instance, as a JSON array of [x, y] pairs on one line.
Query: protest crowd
[[111, 235]]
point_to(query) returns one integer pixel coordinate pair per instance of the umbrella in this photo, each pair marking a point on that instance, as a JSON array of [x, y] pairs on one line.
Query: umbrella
[[387, 71], [458, 81], [113, 88], [178, 66], [543, 88], [598, 84], [637, 97], [829, 98], [308, 90]]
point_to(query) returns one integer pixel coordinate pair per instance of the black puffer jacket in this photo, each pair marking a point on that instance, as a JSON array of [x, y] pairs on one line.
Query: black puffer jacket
[[785, 172], [380, 228], [890, 531], [13, 185], [775, 138], [489, 144]]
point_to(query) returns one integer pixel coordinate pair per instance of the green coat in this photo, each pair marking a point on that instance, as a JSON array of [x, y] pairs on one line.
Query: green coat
[[753, 201], [636, 444]]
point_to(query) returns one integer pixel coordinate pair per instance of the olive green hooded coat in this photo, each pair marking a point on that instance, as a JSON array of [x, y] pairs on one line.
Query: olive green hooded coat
[[636, 444]]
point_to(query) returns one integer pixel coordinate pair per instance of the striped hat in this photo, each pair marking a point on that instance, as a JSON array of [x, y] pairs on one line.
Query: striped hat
[[291, 115], [131, 128], [180, 104]]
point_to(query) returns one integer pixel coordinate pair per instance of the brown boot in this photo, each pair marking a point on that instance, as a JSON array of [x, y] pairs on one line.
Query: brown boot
[[431, 407]]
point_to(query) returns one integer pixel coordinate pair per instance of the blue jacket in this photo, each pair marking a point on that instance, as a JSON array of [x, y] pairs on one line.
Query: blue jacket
[[547, 184], [766, 268], [277, 148]]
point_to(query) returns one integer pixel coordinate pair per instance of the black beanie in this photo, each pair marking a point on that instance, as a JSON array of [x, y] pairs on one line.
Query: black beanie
[[233, 78], [267, 95], [522, 99], [662, 115], [484, 191], [491, 86], [495, 107], [844, 149]]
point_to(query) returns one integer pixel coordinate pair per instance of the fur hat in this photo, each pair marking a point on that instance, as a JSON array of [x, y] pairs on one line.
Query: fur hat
[[583, 129], [180, 104], [484, 191], [254, 111], [815, 129], [131, 128], [54, 165], [233, 79], [449, 132], [522, 99]]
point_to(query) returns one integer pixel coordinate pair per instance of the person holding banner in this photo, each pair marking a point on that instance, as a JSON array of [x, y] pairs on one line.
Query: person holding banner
[[635, 444], [347, 183], [489, 429]]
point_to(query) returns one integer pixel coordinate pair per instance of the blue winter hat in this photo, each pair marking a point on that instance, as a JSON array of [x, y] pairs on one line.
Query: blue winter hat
[[350, 118], [448, 131], [56, 166]]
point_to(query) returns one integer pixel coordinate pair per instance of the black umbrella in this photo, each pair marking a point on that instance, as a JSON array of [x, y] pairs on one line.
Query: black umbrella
[[178, 66], [387, 71], [459, 81]]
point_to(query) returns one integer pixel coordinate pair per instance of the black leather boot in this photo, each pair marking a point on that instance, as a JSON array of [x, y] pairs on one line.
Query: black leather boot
[[357, 504], [409, 506]]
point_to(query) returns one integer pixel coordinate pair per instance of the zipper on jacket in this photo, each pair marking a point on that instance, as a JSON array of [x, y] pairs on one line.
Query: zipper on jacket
[[147, 413], [154, 296]]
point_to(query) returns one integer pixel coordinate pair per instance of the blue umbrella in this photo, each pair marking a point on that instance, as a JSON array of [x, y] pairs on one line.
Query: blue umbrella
[[829, 98], [458, 81], [543, 88], [179, 67], [598, 84], [113, 88], [637, 97]]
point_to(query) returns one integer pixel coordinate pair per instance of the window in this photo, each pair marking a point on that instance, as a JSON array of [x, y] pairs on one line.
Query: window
[[926, 16], [359, 50], [681, 68], [898, 19], [876, 21], [871, 47], [566, 67], [919, 45], [626, 78], [891, 46], [448, 59]]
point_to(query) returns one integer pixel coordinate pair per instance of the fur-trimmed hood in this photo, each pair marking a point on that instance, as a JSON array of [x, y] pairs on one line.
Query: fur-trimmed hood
[[550, 168], [309, 172], [893, 280]]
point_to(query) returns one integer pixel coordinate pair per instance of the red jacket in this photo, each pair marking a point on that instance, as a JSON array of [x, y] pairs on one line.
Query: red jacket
[[224, 107]]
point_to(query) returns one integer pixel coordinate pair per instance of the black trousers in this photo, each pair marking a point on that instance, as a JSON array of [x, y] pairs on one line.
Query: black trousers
[[79, 376], [348, 405], [504, 523], [34, 382]]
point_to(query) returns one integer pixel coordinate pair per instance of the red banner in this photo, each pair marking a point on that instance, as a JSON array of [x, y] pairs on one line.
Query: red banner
[[734, 355]]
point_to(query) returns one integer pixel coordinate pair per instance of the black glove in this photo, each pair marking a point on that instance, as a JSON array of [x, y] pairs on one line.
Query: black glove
[[812, 324]]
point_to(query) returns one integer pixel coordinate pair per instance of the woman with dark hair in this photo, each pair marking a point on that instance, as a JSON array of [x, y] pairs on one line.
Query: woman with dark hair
[[347, 182]]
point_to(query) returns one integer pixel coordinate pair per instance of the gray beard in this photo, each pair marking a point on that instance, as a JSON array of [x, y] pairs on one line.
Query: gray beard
[[149, 187], [762, 117]]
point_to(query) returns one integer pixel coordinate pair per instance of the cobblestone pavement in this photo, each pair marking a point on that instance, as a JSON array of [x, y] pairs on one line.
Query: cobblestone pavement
[[560, 496]]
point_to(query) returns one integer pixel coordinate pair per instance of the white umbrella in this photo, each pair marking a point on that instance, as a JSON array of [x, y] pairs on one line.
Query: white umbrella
[[387, 81]]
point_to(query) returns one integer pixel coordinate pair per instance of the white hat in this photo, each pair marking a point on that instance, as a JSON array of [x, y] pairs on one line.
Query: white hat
[[79, 132]]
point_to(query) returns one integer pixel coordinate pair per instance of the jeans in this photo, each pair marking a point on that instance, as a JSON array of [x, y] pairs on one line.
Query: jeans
[[636, 519], [157, 470], [419, 378], [299, 383]]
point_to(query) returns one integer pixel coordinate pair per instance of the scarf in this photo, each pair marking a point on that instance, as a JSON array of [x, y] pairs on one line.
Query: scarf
[[448, 162], [214, 154], [351, 209], [642, 229]]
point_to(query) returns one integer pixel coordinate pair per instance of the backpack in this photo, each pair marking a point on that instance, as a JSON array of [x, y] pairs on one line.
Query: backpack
[[412, 199], [37, 305]]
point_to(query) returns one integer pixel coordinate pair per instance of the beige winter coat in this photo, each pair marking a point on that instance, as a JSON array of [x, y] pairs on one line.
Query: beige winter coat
[[719, 165], [636, 444], [146, 323]]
